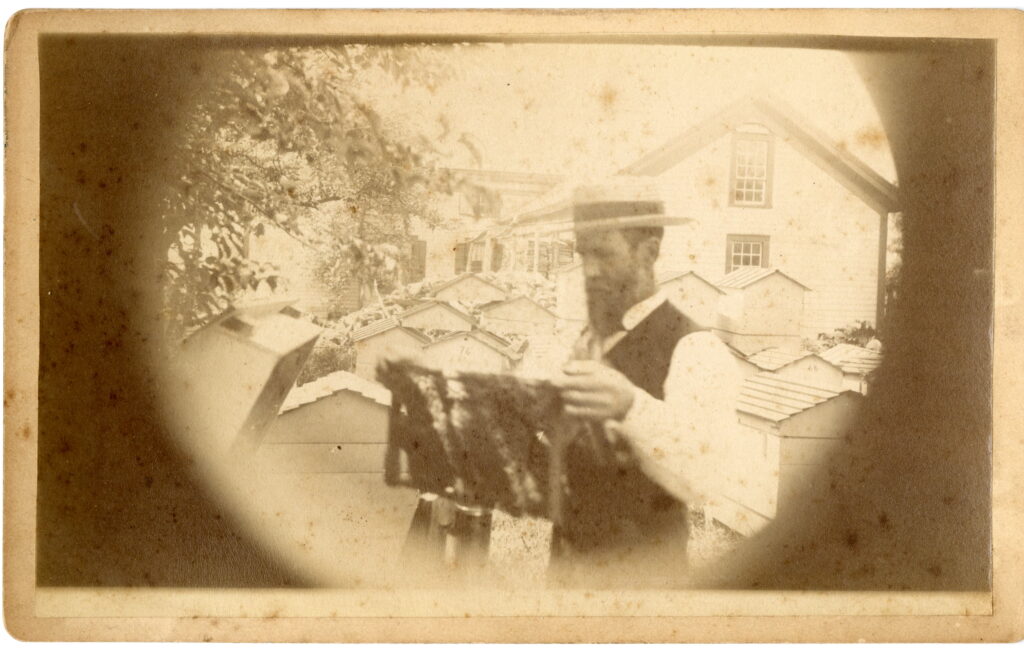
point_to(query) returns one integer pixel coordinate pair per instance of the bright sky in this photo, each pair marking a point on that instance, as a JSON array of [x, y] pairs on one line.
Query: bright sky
[[588, 110]]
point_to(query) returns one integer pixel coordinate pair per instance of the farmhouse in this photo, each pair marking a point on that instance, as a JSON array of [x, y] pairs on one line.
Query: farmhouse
[[768, 190], [464, 243], [784, 431]]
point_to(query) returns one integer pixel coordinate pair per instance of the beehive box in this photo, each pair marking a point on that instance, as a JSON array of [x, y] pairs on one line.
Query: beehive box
[[237, 370], [785, 431]]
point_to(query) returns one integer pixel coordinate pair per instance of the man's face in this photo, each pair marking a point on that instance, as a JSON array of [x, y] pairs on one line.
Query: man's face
[[611, 270]]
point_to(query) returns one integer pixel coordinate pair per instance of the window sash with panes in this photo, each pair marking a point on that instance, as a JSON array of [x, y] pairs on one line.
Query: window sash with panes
[[747, 251], [476, 256], [750, 172]]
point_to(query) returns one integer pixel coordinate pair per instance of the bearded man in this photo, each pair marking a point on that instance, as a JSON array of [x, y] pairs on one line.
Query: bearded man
[[649, 395]]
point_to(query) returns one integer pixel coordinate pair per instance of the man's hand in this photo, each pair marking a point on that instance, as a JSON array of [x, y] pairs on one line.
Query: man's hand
[[591, 390]]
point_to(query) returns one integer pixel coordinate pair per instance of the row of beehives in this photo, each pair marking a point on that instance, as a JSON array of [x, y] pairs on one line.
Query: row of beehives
[[450, 337], [793, 410], [751, 308]]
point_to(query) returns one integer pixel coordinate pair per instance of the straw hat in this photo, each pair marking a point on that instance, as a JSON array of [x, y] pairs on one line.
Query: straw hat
[[621, 202]]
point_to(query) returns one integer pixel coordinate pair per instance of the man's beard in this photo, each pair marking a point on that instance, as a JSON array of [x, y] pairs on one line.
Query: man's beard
[[605, 306]]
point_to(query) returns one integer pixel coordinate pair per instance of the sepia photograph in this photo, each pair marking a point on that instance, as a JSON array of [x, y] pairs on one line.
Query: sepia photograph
[[604, 319]]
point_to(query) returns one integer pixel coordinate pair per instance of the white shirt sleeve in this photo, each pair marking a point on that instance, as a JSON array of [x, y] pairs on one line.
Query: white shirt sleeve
[[681, 442]]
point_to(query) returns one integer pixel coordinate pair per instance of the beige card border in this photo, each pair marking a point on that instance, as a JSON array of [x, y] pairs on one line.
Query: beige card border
[[317, 615]]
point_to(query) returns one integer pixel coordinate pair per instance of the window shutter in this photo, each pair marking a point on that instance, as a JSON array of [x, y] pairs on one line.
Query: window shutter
[[418, 264], [461, 254]]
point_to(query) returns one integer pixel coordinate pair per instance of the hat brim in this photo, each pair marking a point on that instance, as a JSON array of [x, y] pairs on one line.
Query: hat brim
[[637, 221]]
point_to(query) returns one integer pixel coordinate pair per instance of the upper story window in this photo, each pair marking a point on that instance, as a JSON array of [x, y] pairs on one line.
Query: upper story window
[[751, 175]]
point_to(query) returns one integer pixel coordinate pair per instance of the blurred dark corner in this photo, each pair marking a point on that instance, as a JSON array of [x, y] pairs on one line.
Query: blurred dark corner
[[905, 506]]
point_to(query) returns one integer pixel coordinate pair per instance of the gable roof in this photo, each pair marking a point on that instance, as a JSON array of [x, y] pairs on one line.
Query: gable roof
[[773, 398], [384, 325], [397, 321], [487, 340], [742, 277], [853, 359], [339, 381], [522, 297], [671, 276], [736, 352], [465, 276], [416, 309], [773, 359], [863, 181]]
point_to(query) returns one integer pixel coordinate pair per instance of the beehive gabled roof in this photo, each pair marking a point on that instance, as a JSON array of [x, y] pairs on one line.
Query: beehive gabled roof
[[488, 339], [465, 276], [773, 359], [384, 325], [669, 276], [434, 302], [768, 396], [853, 359], [388, 323], [488, 307], [375, 328], [742, 277], [332, 383]]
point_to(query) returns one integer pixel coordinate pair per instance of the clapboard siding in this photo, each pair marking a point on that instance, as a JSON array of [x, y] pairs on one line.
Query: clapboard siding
[[341, 418], [819, 232]]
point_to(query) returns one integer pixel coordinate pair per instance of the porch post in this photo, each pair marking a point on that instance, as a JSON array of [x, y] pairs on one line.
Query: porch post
[[883, 245]]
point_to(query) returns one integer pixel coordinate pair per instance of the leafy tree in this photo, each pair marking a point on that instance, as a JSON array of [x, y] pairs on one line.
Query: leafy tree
[[280, 135], [367, 239], [857, 333]]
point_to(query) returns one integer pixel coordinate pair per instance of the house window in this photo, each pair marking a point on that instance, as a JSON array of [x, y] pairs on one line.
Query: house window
[[746, 250], [417, 260], [476, 256], [565, 250], [751, 179], [498, 256], [461, 257]]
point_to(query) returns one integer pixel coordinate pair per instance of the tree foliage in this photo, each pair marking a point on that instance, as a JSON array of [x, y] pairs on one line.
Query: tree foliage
[[279, 135]]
